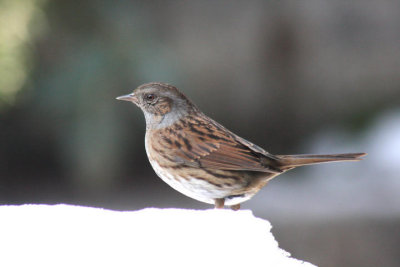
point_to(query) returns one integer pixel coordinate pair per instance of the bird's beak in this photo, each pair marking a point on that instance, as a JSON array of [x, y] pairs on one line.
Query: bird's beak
[[131, 97]]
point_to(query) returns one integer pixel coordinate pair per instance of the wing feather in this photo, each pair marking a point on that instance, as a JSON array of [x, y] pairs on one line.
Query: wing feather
[[205, 143]]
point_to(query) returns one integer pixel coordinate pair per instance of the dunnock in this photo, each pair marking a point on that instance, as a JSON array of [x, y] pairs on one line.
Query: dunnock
[[202, 159]]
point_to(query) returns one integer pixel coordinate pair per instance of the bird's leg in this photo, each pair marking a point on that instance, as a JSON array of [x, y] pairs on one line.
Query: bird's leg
[[219, 203], [235, 207]]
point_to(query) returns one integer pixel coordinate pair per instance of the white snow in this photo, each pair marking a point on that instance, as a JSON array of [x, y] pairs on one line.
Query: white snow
[[64, 235]]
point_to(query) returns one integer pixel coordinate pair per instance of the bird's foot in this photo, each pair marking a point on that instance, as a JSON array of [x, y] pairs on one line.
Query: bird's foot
[[235, 207], [219, 203]]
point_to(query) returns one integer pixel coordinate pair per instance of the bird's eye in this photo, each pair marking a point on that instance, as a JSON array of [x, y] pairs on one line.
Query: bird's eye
[[150, 97]]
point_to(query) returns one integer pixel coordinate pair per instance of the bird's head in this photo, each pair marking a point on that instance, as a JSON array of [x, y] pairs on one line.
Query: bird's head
[[162, 104]]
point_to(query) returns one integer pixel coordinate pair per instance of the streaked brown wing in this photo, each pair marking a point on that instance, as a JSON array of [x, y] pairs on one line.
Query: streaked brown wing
[[205, 143]]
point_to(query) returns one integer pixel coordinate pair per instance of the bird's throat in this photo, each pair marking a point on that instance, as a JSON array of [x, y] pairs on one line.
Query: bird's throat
[[158, 121]]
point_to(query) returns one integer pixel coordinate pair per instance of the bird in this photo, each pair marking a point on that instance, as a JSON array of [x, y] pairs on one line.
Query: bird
[[202, 159]]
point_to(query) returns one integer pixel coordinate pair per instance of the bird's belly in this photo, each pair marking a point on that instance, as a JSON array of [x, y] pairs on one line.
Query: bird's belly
[[190, 186]]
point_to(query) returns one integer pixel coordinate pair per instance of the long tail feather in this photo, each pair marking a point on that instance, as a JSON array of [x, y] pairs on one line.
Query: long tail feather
[[291, 161]]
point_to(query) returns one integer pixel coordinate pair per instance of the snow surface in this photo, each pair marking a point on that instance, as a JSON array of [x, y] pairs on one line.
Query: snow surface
[[64, 235]]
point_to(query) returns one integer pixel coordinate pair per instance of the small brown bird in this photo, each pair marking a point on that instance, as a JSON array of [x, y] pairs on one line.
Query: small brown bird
[[202, 159]]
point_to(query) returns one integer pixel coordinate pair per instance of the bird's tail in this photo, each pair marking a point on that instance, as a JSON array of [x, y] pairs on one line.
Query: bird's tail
[[291, 161]]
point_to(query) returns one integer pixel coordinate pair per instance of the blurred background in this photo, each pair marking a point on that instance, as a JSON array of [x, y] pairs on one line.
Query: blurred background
[[290, 76]]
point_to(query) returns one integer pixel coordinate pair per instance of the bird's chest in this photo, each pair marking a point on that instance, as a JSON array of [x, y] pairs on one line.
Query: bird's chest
[[155, 149], [158, 155], [151, 154]]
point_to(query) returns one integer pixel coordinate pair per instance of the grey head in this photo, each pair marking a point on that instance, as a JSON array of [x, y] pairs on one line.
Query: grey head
[[161, 103]]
